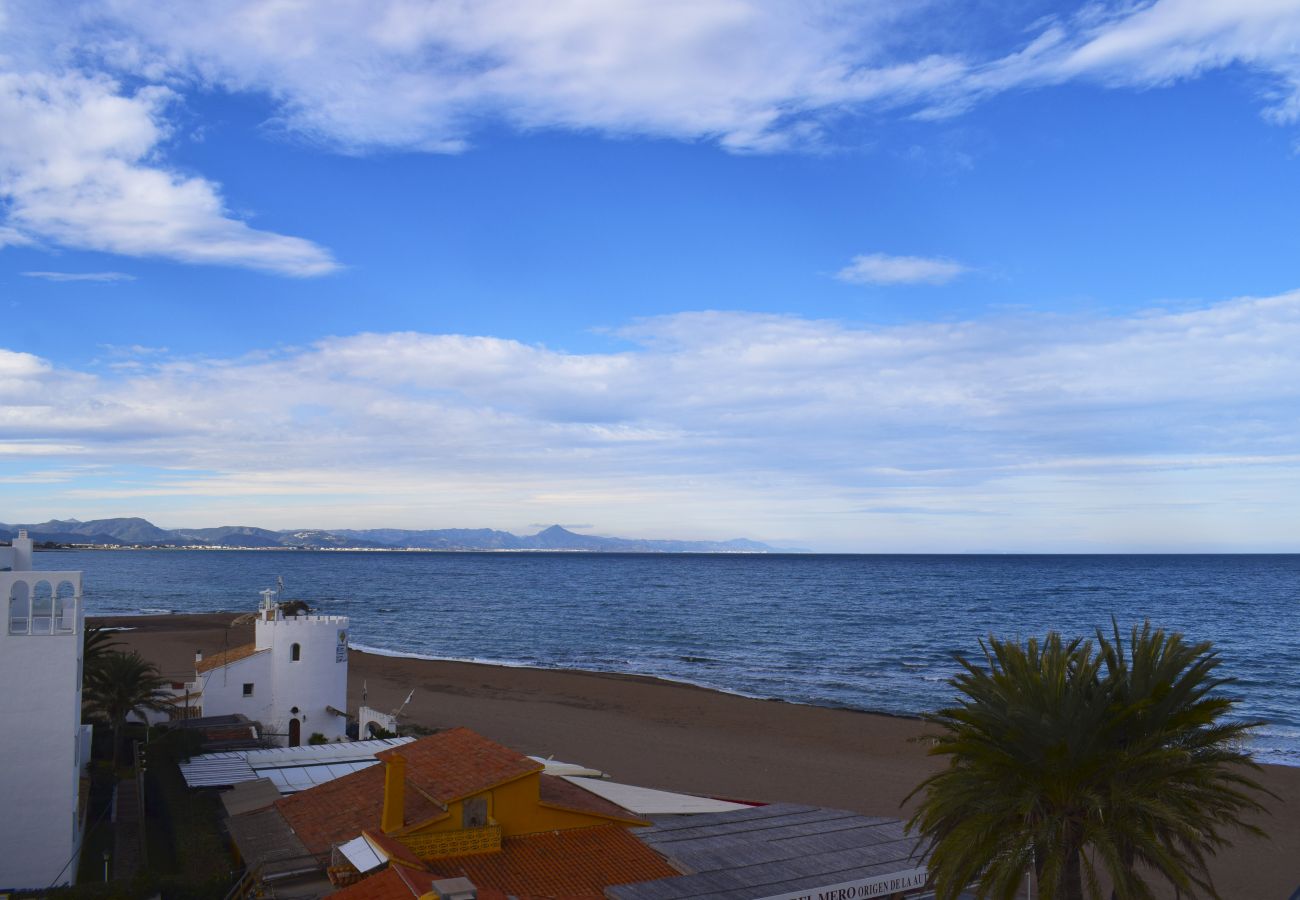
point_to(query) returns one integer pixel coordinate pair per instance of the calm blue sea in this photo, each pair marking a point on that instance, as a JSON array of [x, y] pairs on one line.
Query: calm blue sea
[[867, 632]]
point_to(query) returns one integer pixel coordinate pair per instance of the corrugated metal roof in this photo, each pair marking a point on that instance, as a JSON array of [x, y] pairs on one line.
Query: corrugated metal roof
[[291, 779], [770, 851], [204, 771], [650, 802], [290, 768], [311, 754]]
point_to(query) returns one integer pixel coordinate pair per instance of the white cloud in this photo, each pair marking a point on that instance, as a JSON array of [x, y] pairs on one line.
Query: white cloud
[[736, 423], [1149, 45], [79, 276], [78, 169], [83, 158], [424, 75], [879, 268], [750, 74]]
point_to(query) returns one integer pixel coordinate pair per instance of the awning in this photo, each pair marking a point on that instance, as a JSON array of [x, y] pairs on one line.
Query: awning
[[650, 802], [361, 854]]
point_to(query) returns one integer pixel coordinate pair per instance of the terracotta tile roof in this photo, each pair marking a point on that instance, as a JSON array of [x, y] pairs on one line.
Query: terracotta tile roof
[[453, 764], [558, 792], [395, 850], [386, 885], [341, 809], [577, 864], [225, 657], [396, 883]]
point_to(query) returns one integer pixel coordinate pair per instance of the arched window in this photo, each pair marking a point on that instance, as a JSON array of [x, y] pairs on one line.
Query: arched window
[[65, 608], [42, 608], [20, 608], [295, 652]]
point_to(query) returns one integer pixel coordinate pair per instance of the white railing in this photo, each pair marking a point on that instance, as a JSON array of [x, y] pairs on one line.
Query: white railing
[[32, 610]]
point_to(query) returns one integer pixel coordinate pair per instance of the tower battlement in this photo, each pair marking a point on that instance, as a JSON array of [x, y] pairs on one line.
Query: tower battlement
[[309, 619]]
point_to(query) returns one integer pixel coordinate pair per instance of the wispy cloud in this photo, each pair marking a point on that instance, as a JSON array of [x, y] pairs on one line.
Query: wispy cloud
[[736, 423], [879, 268], [85, 135], [80, 276], [79, 168]]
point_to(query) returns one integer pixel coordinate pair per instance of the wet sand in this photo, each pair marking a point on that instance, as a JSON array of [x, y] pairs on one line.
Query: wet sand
[[668, 735]]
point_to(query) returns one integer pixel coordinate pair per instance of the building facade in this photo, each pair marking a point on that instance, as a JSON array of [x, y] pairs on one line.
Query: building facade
[[293, 678], [43, 745]]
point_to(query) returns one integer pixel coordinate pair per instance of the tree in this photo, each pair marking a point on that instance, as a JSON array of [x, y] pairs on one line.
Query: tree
[[1085, 767], [96, 644], [120, 684]]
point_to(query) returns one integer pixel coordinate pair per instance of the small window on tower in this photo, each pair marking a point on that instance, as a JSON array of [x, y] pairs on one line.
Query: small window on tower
[[295, 652], [248, 689]]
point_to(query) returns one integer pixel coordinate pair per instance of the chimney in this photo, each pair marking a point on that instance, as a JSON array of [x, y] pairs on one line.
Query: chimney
[[22, 551], [394, 793]]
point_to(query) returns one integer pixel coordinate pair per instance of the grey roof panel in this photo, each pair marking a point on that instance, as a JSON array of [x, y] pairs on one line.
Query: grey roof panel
[[225, 769], [769, 850]]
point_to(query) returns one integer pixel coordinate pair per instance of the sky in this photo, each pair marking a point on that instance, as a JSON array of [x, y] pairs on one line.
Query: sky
[[937, 276]]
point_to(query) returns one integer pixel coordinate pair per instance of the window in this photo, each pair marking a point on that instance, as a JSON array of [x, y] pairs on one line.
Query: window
[[295, 653], [20, 608], [248, 689]]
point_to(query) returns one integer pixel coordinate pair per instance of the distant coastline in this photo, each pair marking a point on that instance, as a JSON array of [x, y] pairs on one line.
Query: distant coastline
[[233, 548], [134, 533]]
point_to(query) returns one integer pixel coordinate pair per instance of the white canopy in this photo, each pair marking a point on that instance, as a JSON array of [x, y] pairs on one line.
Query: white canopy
[[650, 802]]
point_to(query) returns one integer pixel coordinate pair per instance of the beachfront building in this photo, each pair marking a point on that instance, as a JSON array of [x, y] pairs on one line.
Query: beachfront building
[[293, 678], [453, 805], [43, 745], [455, 816]]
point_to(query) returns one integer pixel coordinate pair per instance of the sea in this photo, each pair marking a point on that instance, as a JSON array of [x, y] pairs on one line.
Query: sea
[[869, 632]]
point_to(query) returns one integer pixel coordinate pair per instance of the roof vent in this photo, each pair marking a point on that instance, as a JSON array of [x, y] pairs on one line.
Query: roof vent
[[454, 889]]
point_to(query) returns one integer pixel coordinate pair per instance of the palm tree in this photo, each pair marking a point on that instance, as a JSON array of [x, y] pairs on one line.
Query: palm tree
[[96, 644], [1085, 766], [120, 684]]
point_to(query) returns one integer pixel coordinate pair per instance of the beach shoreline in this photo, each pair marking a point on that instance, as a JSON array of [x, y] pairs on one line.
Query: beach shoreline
[[674, 735]]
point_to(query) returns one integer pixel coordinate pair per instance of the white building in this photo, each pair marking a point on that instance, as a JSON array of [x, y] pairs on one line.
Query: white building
[[293, 678], [43, 745]]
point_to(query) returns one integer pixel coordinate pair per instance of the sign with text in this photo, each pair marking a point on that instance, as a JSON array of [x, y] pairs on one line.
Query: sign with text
[[863, 888]]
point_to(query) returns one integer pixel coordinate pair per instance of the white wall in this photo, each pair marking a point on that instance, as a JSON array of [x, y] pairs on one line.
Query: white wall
[[40, 743], [223, 689], [316, 680]]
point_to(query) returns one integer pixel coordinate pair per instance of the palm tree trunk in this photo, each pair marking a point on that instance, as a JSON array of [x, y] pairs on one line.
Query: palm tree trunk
[[1072, 877]]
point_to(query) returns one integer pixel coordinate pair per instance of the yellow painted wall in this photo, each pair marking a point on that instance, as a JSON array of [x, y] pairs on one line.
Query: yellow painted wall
[[517, 808]]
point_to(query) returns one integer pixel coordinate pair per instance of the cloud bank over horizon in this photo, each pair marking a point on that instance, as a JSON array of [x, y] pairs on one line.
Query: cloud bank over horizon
[[1031, 431]]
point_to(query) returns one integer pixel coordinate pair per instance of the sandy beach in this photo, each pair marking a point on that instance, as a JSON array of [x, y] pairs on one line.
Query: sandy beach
[[669, 735]]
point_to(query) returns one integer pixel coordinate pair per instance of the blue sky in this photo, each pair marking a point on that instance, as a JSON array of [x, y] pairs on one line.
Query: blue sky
[[865, 276]]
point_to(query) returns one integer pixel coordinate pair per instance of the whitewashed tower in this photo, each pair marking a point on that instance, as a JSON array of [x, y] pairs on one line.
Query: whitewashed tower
[[293, 678], [43, 745]]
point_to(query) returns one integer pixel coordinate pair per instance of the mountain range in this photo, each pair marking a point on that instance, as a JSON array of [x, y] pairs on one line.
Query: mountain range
[[137, 532]]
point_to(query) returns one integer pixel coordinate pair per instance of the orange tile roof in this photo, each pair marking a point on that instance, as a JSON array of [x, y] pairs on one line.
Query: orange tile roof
[[341, 809], [395, 850], [456, 763], [396, 883], [225, 657], [556, 791], [576, 864], [386, 885]]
